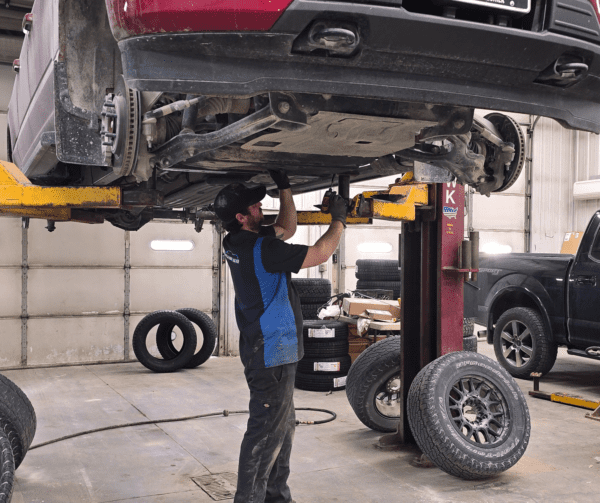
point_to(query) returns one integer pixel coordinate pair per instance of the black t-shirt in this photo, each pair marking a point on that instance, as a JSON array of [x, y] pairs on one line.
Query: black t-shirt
[[267, 306]]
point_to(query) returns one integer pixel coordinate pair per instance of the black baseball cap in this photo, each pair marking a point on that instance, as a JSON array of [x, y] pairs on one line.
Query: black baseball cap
[[235, 198]]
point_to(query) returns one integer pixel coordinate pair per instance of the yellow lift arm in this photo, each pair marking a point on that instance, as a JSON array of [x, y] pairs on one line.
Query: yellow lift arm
[[397, 203], [20, 198]]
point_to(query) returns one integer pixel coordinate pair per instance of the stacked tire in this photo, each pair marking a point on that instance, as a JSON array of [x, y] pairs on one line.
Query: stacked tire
[[314, 293], [378, 275], [326, 360], [190, 354], [18, 423]]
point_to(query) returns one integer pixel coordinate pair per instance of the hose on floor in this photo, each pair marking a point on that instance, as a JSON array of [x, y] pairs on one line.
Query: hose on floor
[[224, 413]]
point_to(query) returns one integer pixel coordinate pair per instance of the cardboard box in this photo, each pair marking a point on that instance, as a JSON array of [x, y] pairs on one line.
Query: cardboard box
[[571, 242], [358, 307], [380, 315], [356, 346]]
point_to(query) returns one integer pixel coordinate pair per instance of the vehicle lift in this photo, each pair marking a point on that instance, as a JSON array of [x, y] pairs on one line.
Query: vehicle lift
[[434, 259]]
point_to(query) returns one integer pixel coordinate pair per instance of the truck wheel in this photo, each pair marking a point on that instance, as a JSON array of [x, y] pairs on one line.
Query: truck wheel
[[521, 343], [311, 311], [468, 416], [313, 290], [375, 270], [470, 343], [18, 421], [325, 349], [373, 385], [7, 469], [207, 329], [321, 382], [325, 365], [144, 327]]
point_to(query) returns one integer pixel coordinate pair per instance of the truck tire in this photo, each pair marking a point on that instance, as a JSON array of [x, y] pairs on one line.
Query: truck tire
[[311, 311], [313, 290], [375, 270], [142, 330], [470, 343], [18, 421], [325, 366], [468, 416], [325, 349], [207, 329], [521, 343], [321, 382], [468, 327], [373, 385], [7, 469], [394, 286], [311, 329]]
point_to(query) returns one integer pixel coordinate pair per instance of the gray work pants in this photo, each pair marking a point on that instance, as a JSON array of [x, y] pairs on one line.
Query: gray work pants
[[264, 464]]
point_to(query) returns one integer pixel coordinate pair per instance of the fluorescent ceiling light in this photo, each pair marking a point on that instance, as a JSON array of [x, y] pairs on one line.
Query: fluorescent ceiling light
[[172, 245]]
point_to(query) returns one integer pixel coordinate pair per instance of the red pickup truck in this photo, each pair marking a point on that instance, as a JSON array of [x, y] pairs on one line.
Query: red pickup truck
[[173, 99]]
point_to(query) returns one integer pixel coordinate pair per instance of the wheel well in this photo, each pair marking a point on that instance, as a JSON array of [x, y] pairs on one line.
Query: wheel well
[[510, 300], [514, 299]]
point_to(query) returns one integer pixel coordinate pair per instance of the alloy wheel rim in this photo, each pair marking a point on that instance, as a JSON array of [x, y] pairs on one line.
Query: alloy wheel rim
[[517, 343], [478, 410], [388, 398]]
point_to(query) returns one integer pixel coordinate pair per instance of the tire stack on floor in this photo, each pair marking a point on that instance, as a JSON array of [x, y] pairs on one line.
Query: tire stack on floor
[[189, 355], [326, 360], [378, 275], [18, 423], [313, 293]]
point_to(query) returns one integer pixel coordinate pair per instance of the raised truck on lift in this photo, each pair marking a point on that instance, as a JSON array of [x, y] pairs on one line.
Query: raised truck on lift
[[171, 100], [532, 303]]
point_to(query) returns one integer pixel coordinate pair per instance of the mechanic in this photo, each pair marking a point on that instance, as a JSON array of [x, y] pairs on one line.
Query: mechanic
[[269, 317]]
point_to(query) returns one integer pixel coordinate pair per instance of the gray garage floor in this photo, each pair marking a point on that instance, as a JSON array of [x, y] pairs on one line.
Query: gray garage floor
[[335, 462]]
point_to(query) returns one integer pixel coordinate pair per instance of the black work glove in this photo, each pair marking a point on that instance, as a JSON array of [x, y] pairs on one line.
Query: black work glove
[[280, 178], [338, 209]]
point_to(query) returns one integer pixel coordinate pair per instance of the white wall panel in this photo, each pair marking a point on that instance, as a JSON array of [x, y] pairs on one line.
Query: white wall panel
[[142, 255], [505, 212], [561, 157], [10, 343], [10, 292], [156, 289], [513, 239], [10, 242], [53, 341], [73, 244], [75, 291]]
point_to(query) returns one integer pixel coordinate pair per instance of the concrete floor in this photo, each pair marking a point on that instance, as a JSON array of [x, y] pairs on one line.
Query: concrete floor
[[335, 462]]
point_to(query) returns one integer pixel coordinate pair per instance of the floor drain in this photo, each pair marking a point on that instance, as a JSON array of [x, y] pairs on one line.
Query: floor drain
[[219, 487]]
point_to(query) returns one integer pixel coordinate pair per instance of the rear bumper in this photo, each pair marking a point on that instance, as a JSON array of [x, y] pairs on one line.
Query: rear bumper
[[402, 56]]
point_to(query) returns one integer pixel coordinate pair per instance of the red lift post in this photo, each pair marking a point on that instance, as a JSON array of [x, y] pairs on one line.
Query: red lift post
[[432, 274]]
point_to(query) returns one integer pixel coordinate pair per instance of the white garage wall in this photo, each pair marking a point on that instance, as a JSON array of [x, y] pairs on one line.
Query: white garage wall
[[75, 295], [561, 157]]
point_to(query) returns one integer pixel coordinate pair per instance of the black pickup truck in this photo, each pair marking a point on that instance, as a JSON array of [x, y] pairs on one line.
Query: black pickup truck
[[531, 303]]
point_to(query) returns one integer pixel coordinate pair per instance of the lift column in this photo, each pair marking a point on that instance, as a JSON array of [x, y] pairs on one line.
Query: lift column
[[432, 287]]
